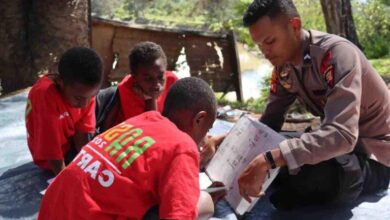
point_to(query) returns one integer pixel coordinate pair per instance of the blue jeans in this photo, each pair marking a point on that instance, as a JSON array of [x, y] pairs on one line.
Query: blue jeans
[[223, 211]]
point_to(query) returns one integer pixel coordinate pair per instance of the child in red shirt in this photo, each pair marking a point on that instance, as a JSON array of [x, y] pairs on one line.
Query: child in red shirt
[[146, 161], [60, 108], [144, 89]]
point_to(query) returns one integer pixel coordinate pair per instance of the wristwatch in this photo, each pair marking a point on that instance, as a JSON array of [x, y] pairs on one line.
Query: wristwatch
[[270, 159]]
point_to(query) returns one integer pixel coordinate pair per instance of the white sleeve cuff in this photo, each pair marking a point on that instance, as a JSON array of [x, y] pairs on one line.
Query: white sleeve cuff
[[289, 157]]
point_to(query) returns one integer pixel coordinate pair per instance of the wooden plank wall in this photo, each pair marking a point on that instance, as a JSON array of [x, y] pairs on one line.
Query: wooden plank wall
[[219, 69]]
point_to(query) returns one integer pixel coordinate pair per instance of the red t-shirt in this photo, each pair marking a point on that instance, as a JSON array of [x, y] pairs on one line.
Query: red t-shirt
[[123, 172], [132, 104], [51, 122]]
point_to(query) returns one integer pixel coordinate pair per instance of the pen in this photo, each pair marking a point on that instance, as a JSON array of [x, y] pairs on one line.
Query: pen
[[214, 189]]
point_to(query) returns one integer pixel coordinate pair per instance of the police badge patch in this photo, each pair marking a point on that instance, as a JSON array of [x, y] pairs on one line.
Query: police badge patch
[[286, 84], [285, 80], [327, 69]]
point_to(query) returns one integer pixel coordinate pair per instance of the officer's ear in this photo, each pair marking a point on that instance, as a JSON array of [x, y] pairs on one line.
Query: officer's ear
[[296, 24]]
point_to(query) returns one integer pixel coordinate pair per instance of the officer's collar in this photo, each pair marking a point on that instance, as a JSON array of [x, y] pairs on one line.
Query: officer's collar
[[307, 41], [306, 57]]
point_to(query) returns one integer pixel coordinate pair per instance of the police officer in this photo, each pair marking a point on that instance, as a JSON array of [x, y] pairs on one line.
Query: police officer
[[350, 152]]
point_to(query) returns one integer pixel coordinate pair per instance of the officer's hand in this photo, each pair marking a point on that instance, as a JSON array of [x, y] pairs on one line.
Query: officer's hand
[[209, 147], [251, 180]]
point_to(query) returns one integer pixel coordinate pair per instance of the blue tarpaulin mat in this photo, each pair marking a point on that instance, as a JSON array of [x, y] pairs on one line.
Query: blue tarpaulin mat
[[21, 181]]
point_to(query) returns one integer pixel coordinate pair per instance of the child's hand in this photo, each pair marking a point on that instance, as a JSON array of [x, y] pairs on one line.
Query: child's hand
[[218, 195], [150, 104], [209, 147], [138, 90], [150, 100]]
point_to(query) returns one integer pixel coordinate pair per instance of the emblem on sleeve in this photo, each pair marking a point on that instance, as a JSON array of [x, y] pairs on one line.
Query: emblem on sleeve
[[274, 81], [286, 84], [327, 69], [285, 80]]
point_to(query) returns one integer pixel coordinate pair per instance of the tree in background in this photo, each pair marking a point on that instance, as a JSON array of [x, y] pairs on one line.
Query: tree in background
[[34, 34], [105, 8], [339, 19], [311, 14], [14, 47], [385, 2]]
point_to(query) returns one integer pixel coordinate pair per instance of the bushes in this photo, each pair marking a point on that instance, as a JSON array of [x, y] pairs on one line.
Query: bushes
[[372, 20], [376, 46]]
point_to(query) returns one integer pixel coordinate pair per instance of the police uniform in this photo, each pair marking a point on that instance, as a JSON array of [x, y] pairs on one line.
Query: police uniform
[[336, 82]]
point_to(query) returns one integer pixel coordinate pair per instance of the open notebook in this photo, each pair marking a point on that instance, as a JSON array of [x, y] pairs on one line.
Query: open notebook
[[247, 139]]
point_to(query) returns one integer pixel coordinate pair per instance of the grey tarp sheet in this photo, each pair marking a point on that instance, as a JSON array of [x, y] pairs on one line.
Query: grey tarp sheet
[[20, 180]]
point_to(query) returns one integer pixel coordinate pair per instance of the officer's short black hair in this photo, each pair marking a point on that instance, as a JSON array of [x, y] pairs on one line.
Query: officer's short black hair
[[145, 53], [192, 94], [271, 8], [82, 65]]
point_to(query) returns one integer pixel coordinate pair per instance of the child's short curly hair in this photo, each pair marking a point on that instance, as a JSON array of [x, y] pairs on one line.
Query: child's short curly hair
[[145, 53], [82, 65]]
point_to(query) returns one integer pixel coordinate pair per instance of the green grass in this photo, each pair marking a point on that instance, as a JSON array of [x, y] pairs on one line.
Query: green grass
[[172, 21], [382, 65], [252, 105]]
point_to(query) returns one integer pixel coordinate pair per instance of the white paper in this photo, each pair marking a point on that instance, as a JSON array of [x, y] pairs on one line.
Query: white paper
[[204, 181], [220, 127], [49, 181], [43, 192], [247, 139]]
